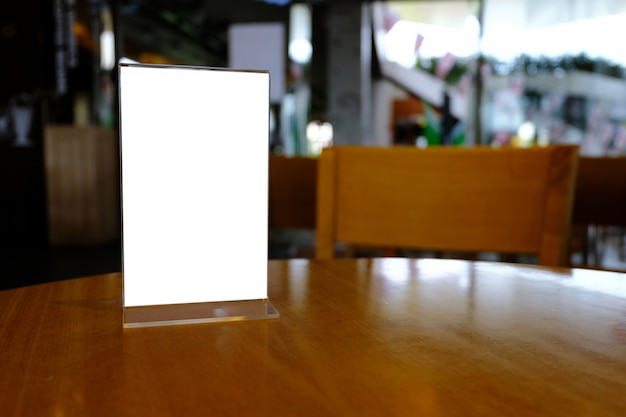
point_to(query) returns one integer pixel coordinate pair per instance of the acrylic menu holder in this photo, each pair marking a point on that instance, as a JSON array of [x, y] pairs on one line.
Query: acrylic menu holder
[[194, 174]]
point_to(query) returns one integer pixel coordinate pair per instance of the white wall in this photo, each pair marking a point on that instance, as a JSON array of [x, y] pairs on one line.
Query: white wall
[[383, 95]]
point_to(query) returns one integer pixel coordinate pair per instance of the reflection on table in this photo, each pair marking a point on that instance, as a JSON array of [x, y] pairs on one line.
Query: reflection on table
[[362, 337]]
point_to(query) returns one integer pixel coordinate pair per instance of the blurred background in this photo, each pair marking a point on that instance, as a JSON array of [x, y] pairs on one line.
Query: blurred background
[[381, 73]]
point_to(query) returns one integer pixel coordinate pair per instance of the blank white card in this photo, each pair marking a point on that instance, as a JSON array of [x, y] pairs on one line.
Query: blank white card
[[194, 149]]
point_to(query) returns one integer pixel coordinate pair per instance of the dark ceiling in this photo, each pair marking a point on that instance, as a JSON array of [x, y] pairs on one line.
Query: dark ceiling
[[195, 31]]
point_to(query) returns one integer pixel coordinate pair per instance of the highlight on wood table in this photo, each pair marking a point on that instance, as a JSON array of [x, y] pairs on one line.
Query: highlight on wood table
[[356, 337]]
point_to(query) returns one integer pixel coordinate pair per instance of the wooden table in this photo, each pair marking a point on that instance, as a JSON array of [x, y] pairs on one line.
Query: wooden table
[[392, 337]]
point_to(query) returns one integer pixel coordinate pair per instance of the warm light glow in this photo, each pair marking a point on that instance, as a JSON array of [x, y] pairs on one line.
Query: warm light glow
[[300, 48], [107, 50], [526, 134], [319, 135], [107, 41], [300, 51]]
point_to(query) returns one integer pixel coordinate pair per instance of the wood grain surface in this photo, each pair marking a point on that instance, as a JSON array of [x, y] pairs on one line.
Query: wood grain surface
[[355, 337], [471, 199]]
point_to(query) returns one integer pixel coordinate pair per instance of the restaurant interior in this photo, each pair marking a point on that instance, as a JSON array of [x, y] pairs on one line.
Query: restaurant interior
[[313, 208], [422, 73]]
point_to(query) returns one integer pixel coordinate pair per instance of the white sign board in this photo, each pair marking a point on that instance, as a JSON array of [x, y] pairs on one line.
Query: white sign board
[[194, 149]]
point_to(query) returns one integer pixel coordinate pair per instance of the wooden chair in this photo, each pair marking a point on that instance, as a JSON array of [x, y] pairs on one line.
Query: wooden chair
[[292, 200], [82, 184], [292, 192], [476, 199], [600, 202]]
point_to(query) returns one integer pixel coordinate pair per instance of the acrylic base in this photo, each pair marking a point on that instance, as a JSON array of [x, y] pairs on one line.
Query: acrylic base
[[195, 313]]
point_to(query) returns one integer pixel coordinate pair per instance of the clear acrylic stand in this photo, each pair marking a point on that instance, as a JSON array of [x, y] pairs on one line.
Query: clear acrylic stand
[[196, 313], [194, 182]]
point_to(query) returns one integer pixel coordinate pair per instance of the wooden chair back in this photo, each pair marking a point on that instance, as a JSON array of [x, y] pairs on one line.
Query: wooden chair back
[[600, 202], [292, 192], [600, 191], [82, 184], [477, 199]]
